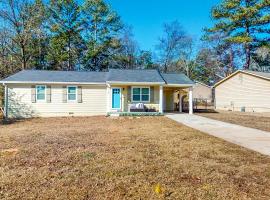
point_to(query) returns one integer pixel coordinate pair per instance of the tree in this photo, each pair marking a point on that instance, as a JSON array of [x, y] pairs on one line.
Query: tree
[[207, 66], [129, 49], [102, 26], [65, 26], [185, 62], [21, 20], [145, 60], [7, 63], [261, 58], [172, 44], [229, 54], [245, 22]]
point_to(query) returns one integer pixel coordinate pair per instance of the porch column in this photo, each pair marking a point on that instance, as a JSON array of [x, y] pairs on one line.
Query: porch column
[[190, 98], [180, 101], [6, 102], [108, 96], [161, 99]]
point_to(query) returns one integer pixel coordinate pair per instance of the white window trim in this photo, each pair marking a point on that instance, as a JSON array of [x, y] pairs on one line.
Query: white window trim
[[120, 98], [45, 93], [76, 93], [141, 87]]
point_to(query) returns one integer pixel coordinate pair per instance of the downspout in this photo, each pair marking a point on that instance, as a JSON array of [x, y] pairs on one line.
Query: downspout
[[6, 102]]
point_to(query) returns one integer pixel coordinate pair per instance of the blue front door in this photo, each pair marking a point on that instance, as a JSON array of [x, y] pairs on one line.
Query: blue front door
[[116, 98]]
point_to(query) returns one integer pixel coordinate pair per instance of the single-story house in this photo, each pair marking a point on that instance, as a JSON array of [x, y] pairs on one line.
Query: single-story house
[[244, 90], [31, 93]]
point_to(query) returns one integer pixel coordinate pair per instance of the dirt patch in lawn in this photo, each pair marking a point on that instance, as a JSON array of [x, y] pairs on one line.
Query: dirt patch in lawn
[[253, 120], [125, 158]]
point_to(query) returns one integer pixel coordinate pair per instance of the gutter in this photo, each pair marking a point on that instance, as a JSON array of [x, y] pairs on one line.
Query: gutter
[[53, 83], [135, 83]]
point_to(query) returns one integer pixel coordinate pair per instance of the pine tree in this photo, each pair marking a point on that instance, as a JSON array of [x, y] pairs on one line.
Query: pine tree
[[102, 27], [39, 43], [65, 26], [246, 22]]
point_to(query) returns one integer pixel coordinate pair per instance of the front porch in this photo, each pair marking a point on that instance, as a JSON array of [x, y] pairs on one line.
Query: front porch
[[147, 99]]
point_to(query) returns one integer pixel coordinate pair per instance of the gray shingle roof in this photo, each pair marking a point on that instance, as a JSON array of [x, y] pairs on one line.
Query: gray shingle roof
[[114, 75], [176, 79], [57, 76], [138, 76], [263, 74]]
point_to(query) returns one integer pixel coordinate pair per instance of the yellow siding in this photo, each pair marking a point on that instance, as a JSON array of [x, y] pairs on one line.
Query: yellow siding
[[94, 102], [125, 102], [168, 100], [243, 90]]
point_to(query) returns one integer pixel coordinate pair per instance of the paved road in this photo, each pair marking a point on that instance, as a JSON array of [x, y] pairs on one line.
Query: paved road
[[250, 138]]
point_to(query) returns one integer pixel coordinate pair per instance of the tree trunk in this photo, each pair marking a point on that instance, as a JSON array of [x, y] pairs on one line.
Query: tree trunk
[[248, 56], [231, 61], [69, 55], [23, 57]]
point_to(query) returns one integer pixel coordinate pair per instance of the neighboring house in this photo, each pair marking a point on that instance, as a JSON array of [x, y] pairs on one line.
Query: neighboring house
[[203, 97], [244, 91], [202, 91], [31, 93]]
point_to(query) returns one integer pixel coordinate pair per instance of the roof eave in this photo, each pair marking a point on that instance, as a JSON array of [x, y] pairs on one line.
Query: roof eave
[[52, 82], [240, 71], [179, 85], [135, 83]]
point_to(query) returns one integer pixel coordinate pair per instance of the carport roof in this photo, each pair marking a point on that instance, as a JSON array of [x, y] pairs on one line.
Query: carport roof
[[176, 79]]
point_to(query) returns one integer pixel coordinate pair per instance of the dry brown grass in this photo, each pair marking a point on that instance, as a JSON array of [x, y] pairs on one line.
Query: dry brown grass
[[125, 158], [253, 120]]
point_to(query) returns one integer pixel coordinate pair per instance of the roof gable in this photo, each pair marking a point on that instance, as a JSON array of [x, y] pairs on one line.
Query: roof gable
[[263, 75]]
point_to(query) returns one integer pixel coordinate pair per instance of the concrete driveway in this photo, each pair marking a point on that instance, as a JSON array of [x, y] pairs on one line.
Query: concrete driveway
[[250, 138]]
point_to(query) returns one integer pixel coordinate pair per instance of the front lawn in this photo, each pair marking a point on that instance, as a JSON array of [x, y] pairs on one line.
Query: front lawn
[[125, 158], [253, 120]]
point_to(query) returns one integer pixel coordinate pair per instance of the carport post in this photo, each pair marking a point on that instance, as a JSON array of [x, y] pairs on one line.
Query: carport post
[[6, 102], [190, 98], [161, 99], [180, 101]]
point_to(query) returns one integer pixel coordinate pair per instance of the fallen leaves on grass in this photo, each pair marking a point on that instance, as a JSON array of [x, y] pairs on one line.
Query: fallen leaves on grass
[[123, 158]]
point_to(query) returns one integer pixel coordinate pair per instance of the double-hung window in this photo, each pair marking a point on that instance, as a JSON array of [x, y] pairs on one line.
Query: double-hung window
[[140, 94], [41, 92], [72, 93]]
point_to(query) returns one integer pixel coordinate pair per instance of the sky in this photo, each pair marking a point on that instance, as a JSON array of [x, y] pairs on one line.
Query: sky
[[148, 16]]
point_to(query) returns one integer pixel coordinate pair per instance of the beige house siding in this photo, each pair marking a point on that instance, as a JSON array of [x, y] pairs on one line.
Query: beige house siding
[[201, 91], [168, 100], [124, 98], [93, 102], [243, 90]]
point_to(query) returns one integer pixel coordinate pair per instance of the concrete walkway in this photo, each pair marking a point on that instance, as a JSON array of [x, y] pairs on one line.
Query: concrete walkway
[[250, 138]]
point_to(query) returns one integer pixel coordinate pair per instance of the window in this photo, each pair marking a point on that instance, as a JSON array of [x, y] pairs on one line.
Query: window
[[140, 94], [40, 92], [72, 93]]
